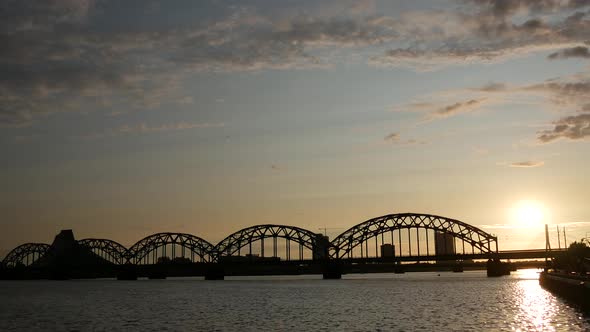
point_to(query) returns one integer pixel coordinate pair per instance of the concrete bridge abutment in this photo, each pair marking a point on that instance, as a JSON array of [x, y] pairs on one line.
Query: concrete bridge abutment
[[497, 268], [215, 272]]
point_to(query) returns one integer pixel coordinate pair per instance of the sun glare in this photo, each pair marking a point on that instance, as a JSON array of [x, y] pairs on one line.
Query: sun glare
[[528, 213]]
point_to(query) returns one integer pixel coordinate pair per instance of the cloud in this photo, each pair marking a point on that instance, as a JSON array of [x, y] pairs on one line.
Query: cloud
[[576, 127], [564, 92], [527, 164], [570, 93], [91, 54], [29, 15], [505, 8], [413, 107], [392, 138], [68, 55], [574, 52], [186, 100], [487, 32], [395, 138], [493, 87], [567, 88], [480, 151], [276, 168], [144, 128], [413, 141], [456, 108]]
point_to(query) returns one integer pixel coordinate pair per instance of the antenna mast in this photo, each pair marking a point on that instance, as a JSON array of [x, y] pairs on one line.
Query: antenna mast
[[547, 244]]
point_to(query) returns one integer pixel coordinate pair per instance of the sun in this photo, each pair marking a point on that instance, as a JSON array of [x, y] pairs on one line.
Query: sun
[[528, 213]]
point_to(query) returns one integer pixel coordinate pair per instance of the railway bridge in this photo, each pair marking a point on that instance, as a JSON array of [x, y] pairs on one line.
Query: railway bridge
[[386, 242]]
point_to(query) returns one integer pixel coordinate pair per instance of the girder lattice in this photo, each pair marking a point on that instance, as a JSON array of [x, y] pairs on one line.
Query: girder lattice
[[356, 235], [232, 244], [25, 254], [109, 250], [196, 246]]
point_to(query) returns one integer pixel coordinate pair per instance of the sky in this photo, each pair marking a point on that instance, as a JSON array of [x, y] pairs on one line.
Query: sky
[[120, 119]]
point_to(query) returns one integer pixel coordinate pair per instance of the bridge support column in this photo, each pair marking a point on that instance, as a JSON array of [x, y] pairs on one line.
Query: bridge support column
[[157, 271], [215, 272], [496, 268], [331, 270], [398, 268], [127, 272]]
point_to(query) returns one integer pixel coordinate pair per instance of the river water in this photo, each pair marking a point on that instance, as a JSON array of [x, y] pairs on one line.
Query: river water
[[373, 302]]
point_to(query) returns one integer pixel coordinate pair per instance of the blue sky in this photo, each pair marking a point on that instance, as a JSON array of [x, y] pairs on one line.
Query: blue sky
[[122, 119]]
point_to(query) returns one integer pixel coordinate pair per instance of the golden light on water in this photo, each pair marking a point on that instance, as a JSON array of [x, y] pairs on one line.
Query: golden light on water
[[536, 307]]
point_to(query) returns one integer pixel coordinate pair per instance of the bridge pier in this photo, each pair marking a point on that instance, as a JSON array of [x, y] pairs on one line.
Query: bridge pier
[[215, 272], [496, 268], [331, 270], [157, 272], [127, 272]]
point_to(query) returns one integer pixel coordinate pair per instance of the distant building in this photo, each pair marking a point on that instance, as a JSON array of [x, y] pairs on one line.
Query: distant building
[[387, 250], [321, 247], [444, 243]]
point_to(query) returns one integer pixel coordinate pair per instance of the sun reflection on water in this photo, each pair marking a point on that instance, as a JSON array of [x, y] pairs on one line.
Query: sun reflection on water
[[537, 309]]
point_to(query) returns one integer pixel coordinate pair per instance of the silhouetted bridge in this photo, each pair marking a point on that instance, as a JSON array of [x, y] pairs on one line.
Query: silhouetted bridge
[[378, 244]]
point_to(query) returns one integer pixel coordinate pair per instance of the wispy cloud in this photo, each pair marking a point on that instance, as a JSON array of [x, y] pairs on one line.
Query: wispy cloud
[[420, 106], [391, 138], [395, 138], [277, 168], [520, 225], [574, 52], [144, 128], [488, 32], [576, 127], [527, 164], [455, 109], [571, 93], [493, 87], [480, 151], [434, 110]]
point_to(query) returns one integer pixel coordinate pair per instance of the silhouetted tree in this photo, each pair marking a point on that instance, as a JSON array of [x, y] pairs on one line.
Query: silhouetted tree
[[573, 259]]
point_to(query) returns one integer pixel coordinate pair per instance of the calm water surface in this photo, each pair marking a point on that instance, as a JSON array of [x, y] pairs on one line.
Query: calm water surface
[[373, 302]]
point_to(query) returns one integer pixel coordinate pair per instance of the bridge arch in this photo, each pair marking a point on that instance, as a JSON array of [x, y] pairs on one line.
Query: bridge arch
[[146, 249], [25, 254], [109, 250], [359, 235], [233, 244]]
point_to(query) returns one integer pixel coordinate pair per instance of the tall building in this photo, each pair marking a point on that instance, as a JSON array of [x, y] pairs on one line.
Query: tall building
[[321, 247], [387, 250], [444, 243]]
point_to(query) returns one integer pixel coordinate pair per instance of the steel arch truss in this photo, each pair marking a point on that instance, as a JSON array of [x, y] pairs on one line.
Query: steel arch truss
[[25, 254], [347, 241], [197, 246], [109, 250], [232, 244]]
